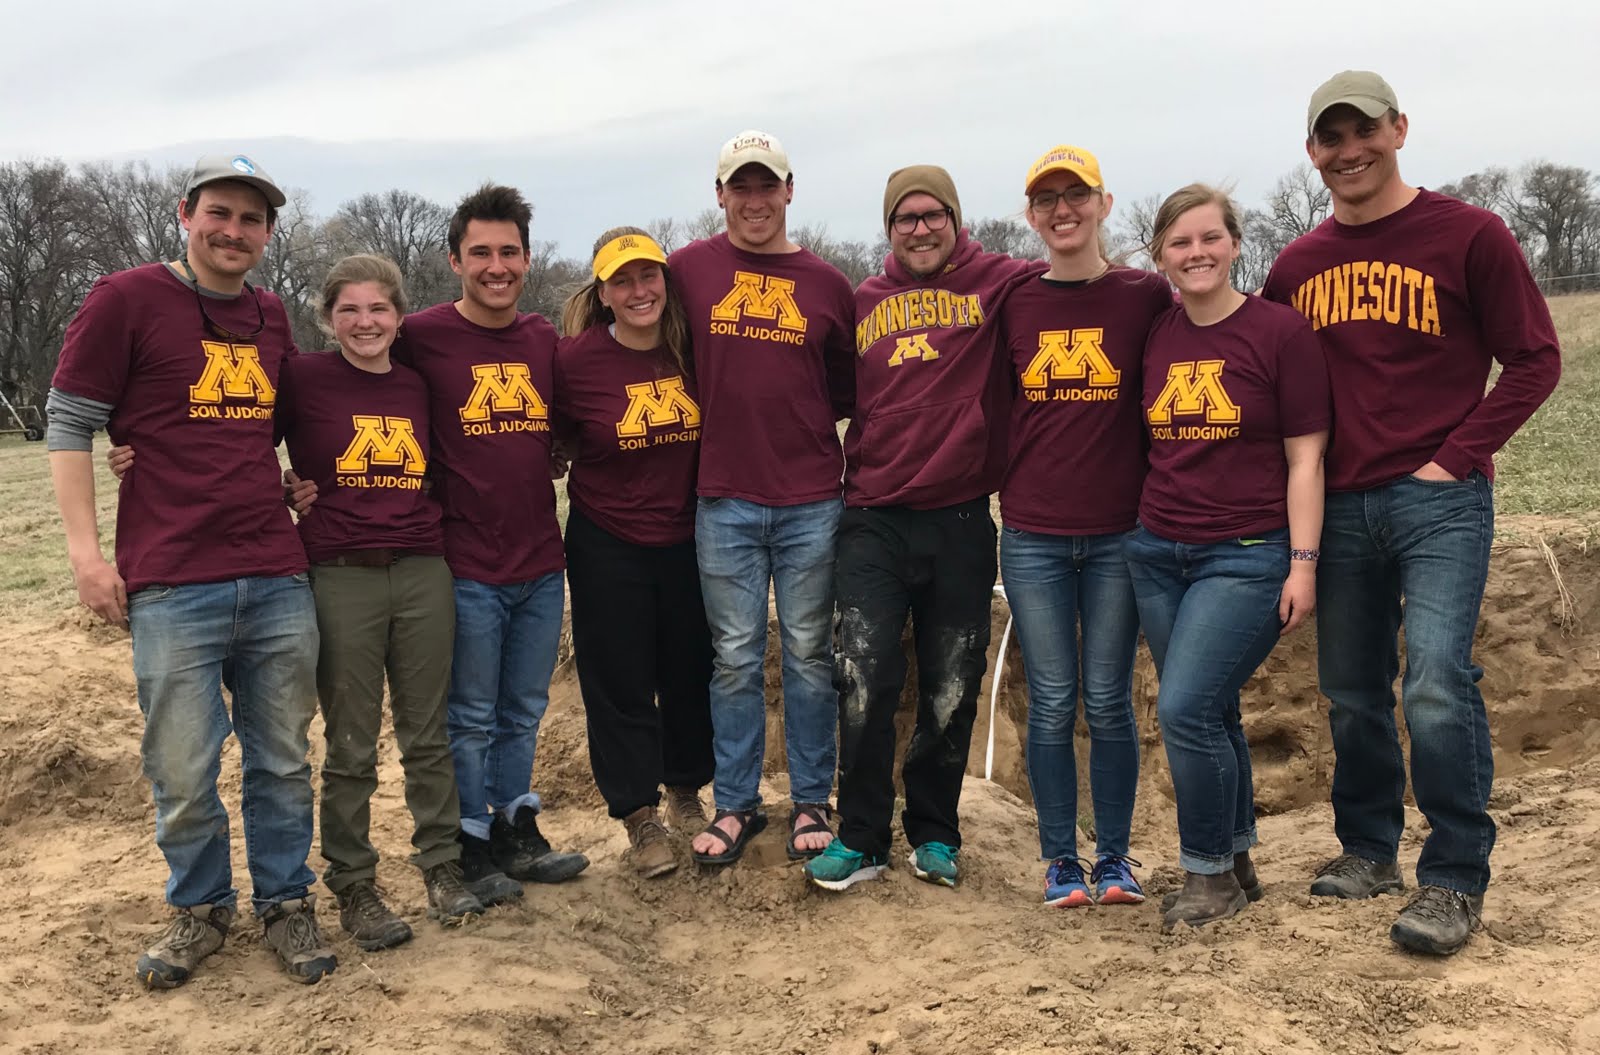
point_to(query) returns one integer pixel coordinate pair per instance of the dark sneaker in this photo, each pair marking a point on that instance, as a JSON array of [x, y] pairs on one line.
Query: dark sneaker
[[449, 900], [1205, 899], [649, 843], [685, 812], [1437, 921], [193, 934], [482, 876], [292, 933], [1349, 876], [522, 851], [367, 920]]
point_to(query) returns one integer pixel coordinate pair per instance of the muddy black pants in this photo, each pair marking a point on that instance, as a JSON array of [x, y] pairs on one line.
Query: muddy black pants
[[638, 635], [936, 566]]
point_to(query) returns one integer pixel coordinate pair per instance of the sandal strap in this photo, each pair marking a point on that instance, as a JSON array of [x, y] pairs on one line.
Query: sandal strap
[[729, 842]]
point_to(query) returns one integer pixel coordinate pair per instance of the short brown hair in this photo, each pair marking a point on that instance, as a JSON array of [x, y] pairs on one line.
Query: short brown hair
[[494, 203], [1181, 201], [363, 267]]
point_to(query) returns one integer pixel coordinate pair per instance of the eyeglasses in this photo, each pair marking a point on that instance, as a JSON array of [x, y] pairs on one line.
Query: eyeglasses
[[1075, 195], [216, 328], [906, 222]]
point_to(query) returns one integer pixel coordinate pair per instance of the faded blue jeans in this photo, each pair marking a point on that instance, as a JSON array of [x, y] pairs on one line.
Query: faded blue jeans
[[1426, 543], [1210, 615], [257, 637], [506, 641], [742, 547], [1055, 585]]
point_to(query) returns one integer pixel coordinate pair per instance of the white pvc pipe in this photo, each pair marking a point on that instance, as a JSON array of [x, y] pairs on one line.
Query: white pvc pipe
[[994, 683]]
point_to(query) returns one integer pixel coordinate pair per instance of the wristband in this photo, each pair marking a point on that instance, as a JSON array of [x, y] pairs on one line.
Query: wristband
[[1312, 555]]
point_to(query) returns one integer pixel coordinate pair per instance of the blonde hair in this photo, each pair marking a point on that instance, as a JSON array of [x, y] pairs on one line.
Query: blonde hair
[[363, 267], [583, 308], [1181, 201]]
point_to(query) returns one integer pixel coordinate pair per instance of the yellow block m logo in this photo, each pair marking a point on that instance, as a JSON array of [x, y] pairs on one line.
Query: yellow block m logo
[[1071, 355], [502, 387], [232, 370], [1193, 388], [916, 347], [382, 441], [761, 297], [657, 403]]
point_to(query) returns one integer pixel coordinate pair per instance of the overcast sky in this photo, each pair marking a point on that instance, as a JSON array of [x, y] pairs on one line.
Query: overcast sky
[[611, 111]]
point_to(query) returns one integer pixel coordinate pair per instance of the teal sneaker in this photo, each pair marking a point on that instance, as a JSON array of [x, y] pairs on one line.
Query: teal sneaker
[[936, 863], [840, 868]]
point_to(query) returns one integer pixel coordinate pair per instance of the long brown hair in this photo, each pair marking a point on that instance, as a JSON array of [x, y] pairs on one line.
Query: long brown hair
[[1181, 201], [583, 309]]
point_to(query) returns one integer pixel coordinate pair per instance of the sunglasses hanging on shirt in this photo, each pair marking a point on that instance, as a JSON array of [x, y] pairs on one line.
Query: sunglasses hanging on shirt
[[215, 327]]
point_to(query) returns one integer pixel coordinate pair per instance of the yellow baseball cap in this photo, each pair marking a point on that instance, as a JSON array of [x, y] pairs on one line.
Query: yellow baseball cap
[[1075, 160], [625, 249]]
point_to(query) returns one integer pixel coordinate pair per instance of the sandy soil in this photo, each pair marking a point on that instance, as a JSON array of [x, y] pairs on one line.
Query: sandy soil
[[753, 960]]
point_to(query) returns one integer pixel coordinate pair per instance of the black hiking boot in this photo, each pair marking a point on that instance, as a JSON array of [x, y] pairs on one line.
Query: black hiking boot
[[1352, 877], [482, 876], [522, 852], [1437, 921]]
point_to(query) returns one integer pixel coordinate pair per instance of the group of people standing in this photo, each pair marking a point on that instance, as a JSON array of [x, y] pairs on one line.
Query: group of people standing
[[1157, 442]]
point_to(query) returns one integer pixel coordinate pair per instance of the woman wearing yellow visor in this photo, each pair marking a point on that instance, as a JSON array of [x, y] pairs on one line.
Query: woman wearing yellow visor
[[625, 407]]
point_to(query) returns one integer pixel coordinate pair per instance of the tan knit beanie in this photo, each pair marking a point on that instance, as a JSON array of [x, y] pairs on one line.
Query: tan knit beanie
[[929, 179]]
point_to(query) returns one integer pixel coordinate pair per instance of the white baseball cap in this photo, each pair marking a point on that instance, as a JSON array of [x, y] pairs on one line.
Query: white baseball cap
[[751, 147]]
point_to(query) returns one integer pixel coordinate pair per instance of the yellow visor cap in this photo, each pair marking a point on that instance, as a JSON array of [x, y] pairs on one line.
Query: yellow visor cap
[[626, 249]]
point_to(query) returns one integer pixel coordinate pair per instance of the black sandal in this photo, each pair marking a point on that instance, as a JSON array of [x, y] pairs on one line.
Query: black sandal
[[817, 816], [751, 824]]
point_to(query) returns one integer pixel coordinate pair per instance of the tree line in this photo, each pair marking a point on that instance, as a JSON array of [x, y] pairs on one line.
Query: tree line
[[62, 227]]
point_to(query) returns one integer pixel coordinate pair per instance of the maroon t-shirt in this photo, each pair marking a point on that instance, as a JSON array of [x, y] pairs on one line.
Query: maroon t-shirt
[[774, 354], [205, 501], [931, 391], [1411, 309], [1218, 402], [1077, 452], [363, 438], [489, 407], [635, 421]]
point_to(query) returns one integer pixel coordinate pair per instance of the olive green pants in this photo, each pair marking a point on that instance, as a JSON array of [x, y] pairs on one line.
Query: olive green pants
[[399, 621]]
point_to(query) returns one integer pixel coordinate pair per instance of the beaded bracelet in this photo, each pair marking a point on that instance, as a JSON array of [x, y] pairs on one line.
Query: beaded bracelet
[[1312, 555]]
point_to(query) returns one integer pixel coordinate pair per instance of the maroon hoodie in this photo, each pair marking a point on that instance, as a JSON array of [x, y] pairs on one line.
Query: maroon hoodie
[[932, 387]]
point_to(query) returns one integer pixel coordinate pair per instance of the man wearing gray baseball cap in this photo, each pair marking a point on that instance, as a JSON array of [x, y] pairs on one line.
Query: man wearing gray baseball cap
[[1414, 295], [181, 360]]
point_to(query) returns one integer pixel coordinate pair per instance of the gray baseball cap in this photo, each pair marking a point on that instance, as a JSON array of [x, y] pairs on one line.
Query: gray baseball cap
[[1362, 89], [238, 167]]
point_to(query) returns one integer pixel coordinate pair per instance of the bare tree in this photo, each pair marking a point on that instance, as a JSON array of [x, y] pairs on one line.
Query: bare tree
[[134, 209], [1556, 203], [667, 232], [46, 268], [707, 223], [1008, 235], [294, 265], [408, 229], [1132, 228]]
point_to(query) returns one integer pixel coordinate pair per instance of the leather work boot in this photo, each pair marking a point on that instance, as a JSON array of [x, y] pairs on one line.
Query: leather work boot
[[292, 933], [522, 851], [1349, 876], [684, 811], [1244, 870], [193, 934], [651, 847], [449, 900], [1437, 921], [371, 923], [1205, 899], [482, 876]]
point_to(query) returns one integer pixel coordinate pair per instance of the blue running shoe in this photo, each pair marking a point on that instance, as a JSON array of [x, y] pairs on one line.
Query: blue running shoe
[[1113, 881], [1064, 884], [936, 863], [839, 868]]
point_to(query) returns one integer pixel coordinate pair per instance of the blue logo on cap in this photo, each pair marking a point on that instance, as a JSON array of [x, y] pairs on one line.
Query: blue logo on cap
[[244, 165]]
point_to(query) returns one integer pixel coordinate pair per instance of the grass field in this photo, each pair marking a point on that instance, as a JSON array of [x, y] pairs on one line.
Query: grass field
[[1550, 469]]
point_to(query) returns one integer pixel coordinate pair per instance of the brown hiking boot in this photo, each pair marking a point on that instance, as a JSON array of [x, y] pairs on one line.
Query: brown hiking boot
[[193, 934], [652, 850], [292, 933], [1205, 899], [449, 900], [684, 811], [371, 923]]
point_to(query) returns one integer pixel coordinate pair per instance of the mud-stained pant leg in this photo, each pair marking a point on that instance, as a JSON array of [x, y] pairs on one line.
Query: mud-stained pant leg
[[870, 668], [950, 618]]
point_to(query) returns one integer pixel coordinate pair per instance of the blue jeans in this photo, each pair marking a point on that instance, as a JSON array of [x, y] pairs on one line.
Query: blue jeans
[[743, 546], [506, 640], [1428, 543], [1210, 615], [1056, 584], [257, 637]]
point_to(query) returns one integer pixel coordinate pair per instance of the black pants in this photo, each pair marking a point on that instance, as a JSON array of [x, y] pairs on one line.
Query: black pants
[[938, 567], [638, 634]]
